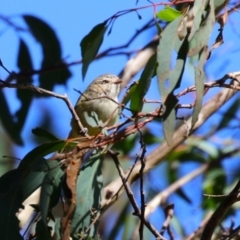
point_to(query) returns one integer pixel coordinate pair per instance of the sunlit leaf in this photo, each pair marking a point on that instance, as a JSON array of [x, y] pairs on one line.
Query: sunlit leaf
[[129, 93], [199, 83], [197, 11], [169, 80], [168, 14], [201, 37]]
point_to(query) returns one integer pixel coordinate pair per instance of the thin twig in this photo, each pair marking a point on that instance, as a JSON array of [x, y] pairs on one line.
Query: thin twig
[[28, 86], [169, 210], [131, 196]]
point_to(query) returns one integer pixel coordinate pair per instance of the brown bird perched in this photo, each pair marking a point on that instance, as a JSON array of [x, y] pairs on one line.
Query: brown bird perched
[[97, 105]]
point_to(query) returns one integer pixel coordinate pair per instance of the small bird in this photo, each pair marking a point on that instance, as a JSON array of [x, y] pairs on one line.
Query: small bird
[[97, 106]]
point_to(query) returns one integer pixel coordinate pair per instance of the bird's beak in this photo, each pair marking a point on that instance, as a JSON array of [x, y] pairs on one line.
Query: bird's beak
[[118, 81]]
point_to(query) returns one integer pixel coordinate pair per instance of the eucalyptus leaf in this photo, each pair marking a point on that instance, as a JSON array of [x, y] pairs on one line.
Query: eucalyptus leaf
[[41, 151], [40, 132], [50, 191], [168, 14], [89, 186], [143, 85], [25, 64], [90, 45], [170, 79], [51, 51]]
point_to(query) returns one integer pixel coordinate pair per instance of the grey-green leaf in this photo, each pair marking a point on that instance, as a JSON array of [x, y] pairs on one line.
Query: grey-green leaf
[[169, 80], [89, 187], [199, 83], [201, 37]]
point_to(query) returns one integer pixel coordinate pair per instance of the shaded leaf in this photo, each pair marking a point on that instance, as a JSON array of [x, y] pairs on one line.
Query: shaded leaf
[[214, 183], [24, 64], [89, 185], [125, 146], [41, 151], [50, 190], [40, 132], [121, 219], [199, 83], [173, 177], [168, 14], [10, 202], [229, 115], [7, 121], [51, 51], [143, 85], [43, 232], [149, 138], [30, 182], [205, 146], [90, 45], [169, 80]]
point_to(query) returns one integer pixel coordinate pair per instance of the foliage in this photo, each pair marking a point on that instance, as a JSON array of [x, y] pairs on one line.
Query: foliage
[[85, 186]]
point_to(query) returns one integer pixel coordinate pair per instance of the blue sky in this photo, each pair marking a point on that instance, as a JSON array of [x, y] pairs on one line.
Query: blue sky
[[72, 20]]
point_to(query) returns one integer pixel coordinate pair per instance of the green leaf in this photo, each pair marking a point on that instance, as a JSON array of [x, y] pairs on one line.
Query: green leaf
[[201, 37], [143, 85], [219, 4], [31, 181], [230, 113], [168, 14], [10, 202], [197, 11], [7, 120], [149, 138], [40, 132], [25, 65], [51, 51], [129, 93], [199, 83], [50, 190], [169, 80], [89, 187], [24, 61], [41, 151], [90, 45], [125, 146], [43, 232], [205, 146]]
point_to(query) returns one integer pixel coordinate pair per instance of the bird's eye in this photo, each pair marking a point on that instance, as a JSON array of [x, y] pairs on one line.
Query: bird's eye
[[105, 81]]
